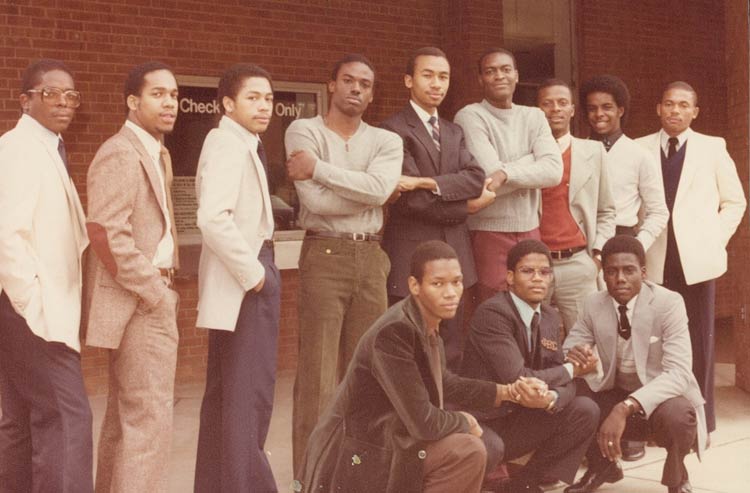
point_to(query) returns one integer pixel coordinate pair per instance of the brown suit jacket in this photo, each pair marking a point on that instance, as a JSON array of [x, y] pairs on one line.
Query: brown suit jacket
[[125, 224], [372, 437]]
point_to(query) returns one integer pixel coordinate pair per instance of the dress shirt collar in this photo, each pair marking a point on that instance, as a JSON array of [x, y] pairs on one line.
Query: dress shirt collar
[[47, 136], [630, 305], [564, 142], [153, 146], [526, 312], [250, 138], [608, 140], [681, 139], [421, 113]]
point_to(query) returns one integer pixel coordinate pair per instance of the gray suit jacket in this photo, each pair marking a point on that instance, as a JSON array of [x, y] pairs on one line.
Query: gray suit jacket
[[661, 347], [590, 196]]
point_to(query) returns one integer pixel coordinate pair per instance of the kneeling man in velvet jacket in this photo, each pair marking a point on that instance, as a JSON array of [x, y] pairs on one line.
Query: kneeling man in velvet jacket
[[386, 429]]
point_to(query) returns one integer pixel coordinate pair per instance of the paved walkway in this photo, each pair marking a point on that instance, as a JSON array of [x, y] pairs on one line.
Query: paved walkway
[[719, 472]]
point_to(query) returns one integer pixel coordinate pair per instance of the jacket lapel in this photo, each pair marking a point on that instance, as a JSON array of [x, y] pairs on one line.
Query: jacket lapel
[[519, 330], [149, 166], [580, 169], [606, 333], [412, 313], [641, 323], [74, 202], [420, 133], [693, 159]]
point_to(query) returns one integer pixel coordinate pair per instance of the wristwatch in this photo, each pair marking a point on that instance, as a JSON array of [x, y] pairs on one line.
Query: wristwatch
[[631, 405]]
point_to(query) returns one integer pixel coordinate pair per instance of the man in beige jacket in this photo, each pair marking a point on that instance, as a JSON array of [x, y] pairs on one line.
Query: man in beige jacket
[[130, 301]]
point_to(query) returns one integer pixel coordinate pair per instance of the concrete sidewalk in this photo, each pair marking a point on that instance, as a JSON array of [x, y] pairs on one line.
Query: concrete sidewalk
[[719, 472]]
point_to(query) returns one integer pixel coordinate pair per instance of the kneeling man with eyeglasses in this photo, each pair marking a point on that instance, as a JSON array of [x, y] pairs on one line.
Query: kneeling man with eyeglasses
[[515, 336], [646, 387]]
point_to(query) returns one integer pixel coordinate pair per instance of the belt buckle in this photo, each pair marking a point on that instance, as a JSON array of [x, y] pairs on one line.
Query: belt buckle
[[359, 236]]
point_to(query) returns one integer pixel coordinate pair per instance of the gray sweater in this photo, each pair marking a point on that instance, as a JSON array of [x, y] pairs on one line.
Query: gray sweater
[[519, 142]]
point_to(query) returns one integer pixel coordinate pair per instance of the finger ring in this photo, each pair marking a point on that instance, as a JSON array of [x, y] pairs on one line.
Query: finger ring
[[610, 444]]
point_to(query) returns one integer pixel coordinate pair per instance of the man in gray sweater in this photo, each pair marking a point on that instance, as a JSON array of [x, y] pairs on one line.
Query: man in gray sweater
[[515, 147], [344, 170]]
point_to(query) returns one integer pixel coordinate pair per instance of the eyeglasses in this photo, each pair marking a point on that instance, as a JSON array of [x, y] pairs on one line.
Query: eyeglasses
[[544, 272], [53, 95]]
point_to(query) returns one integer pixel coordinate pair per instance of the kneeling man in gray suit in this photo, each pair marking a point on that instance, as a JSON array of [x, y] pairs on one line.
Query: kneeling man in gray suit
[[646, 386]]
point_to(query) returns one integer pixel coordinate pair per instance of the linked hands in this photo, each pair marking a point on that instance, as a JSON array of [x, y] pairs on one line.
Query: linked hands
[[583, 359], [530, 392]]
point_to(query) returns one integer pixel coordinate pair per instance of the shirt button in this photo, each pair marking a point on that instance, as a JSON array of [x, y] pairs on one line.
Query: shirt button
[[422, 454], [328, 251]]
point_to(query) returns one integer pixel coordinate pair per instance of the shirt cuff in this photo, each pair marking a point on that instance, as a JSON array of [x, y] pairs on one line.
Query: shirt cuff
[[569, 367]]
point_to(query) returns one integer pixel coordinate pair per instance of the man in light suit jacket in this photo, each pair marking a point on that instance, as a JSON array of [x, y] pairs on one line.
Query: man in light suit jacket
[[578, 215], [238, 289], [439, 179], [45, 430], [706, 201], [646, 387], [515, 335], [131, 304]]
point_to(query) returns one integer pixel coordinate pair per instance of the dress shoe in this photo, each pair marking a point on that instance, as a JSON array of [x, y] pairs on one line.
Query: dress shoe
[[685, 487], [632, 451], [591, 480]]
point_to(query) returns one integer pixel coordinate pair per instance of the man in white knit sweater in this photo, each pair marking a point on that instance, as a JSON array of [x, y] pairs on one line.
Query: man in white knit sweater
[[515, 147], [634, 174]]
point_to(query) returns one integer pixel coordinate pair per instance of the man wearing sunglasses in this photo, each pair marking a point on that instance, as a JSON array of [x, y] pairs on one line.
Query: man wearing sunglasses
[[45, 430], [515, 336]]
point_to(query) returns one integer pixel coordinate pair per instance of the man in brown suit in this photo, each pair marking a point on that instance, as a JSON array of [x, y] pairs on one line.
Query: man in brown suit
[[130, 302]]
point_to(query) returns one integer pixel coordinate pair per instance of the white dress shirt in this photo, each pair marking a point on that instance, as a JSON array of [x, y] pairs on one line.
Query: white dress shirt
[[164, 255], [564, 142], [681, 139]]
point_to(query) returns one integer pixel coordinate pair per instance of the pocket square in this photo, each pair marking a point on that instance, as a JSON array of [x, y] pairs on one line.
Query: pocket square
[[653, 339]]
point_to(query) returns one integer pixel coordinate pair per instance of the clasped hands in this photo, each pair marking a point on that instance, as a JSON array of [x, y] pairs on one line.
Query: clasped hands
[[583, 359]]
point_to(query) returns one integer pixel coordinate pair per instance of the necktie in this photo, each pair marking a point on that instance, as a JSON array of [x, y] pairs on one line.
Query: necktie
[[624, 327], [166, 163], [534, 331], [672, 147], [437, 371], [607, 144], [435, 131], [63, 154]]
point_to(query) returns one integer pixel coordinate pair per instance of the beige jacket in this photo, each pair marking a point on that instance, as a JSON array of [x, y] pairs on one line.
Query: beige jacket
[[125, 223]]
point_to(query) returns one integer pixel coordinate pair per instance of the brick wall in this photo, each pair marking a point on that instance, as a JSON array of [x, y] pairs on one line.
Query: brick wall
[[733, 288], [647, 43], [295, 40]]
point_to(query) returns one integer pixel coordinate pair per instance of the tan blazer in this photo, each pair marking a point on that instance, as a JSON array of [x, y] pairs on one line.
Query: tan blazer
[[661, 347], [42, 234], [708, 207], [235, 217], [125, 224], [590, 195]]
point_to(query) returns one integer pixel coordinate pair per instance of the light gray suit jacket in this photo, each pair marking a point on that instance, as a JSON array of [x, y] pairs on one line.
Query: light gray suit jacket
[[590, 196], [661, 347], [235, 217]]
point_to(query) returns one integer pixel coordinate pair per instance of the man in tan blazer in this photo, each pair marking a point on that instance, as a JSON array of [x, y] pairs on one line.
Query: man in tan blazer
[[130, 301], [238, 289], [706, 202], [578, 215], [45, 430]]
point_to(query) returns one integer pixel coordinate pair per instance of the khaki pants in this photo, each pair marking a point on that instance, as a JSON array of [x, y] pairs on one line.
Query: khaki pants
[[455, 463], [575, 278], [137, 431], [342, 292]]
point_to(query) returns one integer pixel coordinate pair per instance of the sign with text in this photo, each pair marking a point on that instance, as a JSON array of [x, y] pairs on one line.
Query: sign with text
[[199, 112]]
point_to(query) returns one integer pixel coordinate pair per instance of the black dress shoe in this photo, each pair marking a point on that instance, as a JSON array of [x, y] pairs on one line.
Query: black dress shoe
[[632, 451], [592, 480], [685, 487]]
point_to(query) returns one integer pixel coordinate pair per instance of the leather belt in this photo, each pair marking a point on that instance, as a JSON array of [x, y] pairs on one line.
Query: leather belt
[[344, 236], [168, 273], [625, 230], [567, 253]]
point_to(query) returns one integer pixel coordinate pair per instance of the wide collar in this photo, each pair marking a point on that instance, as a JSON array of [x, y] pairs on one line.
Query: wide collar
[[148, 164], [582, 166]]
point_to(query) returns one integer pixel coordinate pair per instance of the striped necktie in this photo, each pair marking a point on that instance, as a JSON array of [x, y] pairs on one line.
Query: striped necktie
[[435, 131]]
